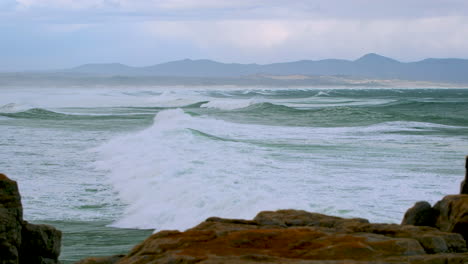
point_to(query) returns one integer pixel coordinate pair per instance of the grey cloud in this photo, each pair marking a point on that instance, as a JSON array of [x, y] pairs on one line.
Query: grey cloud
[[250, 31], [101, 10]]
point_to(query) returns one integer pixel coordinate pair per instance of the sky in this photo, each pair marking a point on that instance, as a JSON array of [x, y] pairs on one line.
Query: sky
[[56, 34]]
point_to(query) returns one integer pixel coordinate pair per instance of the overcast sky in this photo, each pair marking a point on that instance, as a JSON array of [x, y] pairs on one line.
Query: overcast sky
[[48, 34]]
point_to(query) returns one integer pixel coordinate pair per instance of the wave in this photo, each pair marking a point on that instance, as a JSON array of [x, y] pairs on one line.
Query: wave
[[352, 114], [229, 104], [196, 166], [40, 113], [334, 112], [13, 108], [269, 107], [268, 93], [184, 165]]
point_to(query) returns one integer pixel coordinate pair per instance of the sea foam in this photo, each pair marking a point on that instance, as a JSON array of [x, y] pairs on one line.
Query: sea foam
[[184, 169], [171, 177]]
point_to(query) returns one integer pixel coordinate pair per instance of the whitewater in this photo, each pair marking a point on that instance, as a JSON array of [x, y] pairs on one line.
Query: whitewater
[[103, 159]]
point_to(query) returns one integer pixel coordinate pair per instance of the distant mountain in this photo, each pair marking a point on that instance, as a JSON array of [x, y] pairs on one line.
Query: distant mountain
[[368, 66]]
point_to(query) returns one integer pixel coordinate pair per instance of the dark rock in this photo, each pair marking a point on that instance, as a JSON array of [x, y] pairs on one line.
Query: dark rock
[[421, 214], [452, 214], [449, 214], [464, 184], [20, 241], [11, 214], [39, 241]]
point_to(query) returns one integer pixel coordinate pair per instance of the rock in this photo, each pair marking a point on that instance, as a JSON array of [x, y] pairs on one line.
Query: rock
[[20, 241], [295, 236], [452, 214], [449, 214], [464, 184], [421, 214], [11, 214], [101, 260], [39, 242], [285, 218]]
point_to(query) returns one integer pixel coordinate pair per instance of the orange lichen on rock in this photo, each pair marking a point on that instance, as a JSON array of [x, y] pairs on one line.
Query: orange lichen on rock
[[3, 176], [453, 214], [293, 236]]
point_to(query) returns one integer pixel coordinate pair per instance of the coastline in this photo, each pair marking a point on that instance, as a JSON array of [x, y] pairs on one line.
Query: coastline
[[56, 80]]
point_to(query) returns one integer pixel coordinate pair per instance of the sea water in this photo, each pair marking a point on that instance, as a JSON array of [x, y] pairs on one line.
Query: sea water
[[108, 166]]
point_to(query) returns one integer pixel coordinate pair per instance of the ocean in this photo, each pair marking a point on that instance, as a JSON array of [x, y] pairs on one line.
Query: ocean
[[109, 166]]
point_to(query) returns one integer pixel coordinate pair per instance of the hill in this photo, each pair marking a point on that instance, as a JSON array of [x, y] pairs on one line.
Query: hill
[[371, 65]]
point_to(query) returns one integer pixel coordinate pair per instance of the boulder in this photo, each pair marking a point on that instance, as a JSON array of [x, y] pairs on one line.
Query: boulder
[[287, 218], [295, 236], [40, 243], [11, 214], [449, 214], [20, 241], [452, 214], [421, 214]]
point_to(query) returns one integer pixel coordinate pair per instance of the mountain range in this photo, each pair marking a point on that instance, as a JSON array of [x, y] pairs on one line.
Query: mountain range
[[371, 66]]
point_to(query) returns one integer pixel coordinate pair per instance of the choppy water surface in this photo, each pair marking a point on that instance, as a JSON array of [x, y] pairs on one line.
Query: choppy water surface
[[94, 161]]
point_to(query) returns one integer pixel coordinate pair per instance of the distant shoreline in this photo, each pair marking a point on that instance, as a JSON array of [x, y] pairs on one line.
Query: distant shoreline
[[61, 80]]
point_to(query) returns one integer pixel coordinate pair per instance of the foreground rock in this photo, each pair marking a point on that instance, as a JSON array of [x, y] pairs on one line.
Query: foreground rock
[[294, 236], [464, 184], [449, 214], [20, 241]]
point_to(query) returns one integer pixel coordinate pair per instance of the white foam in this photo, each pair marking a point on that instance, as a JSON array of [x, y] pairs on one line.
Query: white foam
[[323, 93], [99, 97], [14, 108], [176, 98], [230, 104], [173, 178]]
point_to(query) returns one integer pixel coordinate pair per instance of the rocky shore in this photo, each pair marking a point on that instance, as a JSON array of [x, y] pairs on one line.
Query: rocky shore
[[427, 234]]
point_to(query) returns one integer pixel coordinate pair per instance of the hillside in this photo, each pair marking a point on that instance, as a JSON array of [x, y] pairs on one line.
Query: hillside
[[371, 66]]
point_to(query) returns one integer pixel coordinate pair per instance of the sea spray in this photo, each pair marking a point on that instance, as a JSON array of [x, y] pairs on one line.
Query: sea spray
[[185, 168], [171, 177]]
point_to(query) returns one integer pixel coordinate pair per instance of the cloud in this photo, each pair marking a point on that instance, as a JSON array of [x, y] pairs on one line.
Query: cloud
[[136, 5], [267, 40], [61, 28], [62, 4], [298, 9], [144, 32], [239, 34], [103, 11]]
